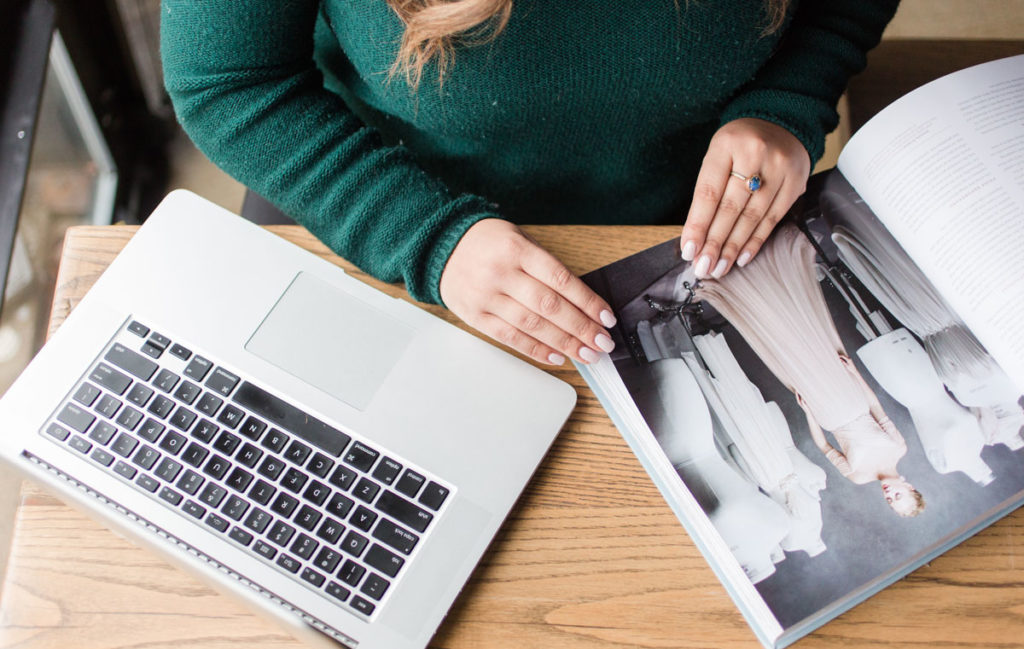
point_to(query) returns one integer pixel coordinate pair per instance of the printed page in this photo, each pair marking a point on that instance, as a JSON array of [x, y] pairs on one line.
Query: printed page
[[943, 168]]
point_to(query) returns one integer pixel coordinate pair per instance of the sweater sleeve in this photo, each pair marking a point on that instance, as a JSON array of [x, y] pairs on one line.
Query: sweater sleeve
[[824, 45], [245, 87]]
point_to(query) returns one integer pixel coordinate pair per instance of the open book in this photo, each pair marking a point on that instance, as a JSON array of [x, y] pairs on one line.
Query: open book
[[848, 405]]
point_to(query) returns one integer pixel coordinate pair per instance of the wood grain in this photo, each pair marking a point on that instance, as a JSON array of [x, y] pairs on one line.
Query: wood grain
[[591, 557]]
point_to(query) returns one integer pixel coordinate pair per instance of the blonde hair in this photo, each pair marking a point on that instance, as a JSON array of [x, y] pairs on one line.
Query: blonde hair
[[431, 27]]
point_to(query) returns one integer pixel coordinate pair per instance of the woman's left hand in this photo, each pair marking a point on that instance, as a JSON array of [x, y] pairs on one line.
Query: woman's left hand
[[729, 218]]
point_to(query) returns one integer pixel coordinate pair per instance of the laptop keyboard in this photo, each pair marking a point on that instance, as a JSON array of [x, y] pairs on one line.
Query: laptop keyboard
[[337, 514]]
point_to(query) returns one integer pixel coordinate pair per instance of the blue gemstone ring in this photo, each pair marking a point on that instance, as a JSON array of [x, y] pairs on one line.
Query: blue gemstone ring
[[753, 181]]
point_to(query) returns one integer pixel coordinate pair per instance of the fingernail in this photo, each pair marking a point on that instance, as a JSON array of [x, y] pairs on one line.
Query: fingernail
[[719, 268], [556, 359], [701, 269], [604, 342], [608, 318], [744, 259], [689, 250], [588, 355]]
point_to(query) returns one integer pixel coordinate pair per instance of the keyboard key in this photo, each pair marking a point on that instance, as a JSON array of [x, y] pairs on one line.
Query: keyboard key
[[275, 440], [396, 536], [239, 479], [80, 444], [299, 423], [216, 522], [330, 530], [159, 340], [173, 442], [187, 392], [297, 452], [110, 379], [384, 560], [316, 492], [124, 444], [313, 577], [284, 505], [193, 509], [235, 508], [161, 407], [86, 394], [205, 430], [403, 511], [147, 482], [375, 586], [281, 533], [181, 352], [101, 456], [213, 494], [216, 467], [108, 406], [150, 349], [351, 572], [190, 482], [135, 364], [327, 560], [125, 470], [363, 518], [230, 416], [264, 550], [343, 477], [183, 418], [101, 433], [168, 469], [238, 535], [433, 496], [354, 544], [366, 490], [198, 368], [293, 480], [140, 394], [387, 471], [361, 605], [209, 404], [194, 454], [361, 456], [166, 380], [307, 518], [129, 418], [304, 546], [151, 430], [271, 468], [76, 418], [337, 591], [138, 328], [262, 492], [170, 496], [252, 428], [249, 455], [257, 520], [222, 381], [320, 465], [53, 430], [227, 443], [340, 505]]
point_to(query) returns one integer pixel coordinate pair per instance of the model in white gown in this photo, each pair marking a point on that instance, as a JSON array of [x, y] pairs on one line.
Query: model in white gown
[[776, 304], [750, 523]]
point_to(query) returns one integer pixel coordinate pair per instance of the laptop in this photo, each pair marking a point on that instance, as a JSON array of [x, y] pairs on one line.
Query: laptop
[[337, 458]]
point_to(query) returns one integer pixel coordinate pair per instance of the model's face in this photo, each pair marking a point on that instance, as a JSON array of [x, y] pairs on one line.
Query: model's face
[[899, 494]]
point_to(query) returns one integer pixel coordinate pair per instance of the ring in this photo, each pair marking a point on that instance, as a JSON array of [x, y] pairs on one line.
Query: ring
[[753, 180]]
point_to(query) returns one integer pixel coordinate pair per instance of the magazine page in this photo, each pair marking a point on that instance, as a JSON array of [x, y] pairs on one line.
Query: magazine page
[[943, 168], [824, 407]]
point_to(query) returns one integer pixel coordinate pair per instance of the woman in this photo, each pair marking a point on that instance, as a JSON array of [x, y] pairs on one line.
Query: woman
[[403, 132], [777, 306]]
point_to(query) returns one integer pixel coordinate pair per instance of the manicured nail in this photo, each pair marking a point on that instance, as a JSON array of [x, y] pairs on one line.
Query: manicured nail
[[719, 268], [588, 355], [744, 259], [604, 342], [556, 359], [608, 318], [689, 250], [701, 269]]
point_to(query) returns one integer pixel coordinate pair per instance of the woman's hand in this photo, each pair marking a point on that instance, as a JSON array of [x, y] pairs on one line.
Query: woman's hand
[[502, 283], [728, 223]]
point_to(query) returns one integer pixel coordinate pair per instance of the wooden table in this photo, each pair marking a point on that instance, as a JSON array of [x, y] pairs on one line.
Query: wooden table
[[591, 557]]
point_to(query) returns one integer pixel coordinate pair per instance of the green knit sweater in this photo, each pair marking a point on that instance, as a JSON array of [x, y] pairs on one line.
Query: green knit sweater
[[579, 112]]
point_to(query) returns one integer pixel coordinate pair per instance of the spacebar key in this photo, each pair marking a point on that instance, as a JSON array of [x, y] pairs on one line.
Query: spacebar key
[[292, 419]]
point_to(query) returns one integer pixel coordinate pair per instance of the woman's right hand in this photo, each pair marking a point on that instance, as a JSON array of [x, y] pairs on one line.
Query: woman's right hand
[[505, 285]]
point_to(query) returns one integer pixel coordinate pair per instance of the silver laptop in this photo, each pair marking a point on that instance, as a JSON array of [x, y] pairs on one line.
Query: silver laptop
[[338, 458]]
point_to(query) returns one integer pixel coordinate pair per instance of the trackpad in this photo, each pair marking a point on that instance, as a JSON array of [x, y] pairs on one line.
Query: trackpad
[[331, 340]]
